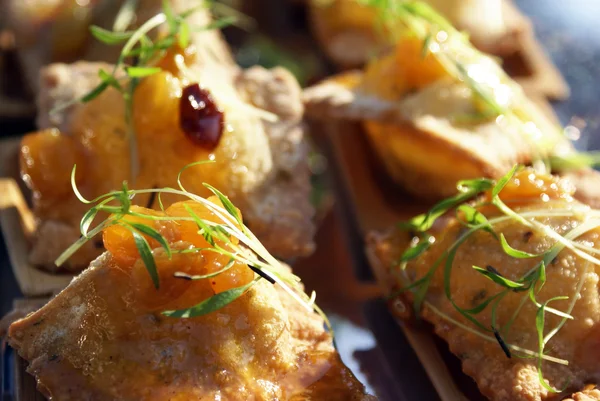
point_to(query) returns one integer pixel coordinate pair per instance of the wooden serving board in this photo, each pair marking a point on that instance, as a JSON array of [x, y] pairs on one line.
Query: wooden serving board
[[18, 225], [376, 204]]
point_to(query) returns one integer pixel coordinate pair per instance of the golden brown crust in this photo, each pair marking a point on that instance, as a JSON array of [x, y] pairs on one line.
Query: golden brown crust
[[591, 394], [86, 342], [500, 378]]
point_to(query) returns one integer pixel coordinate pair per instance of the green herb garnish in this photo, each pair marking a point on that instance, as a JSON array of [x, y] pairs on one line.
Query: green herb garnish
[[249, 251], [529, 284]]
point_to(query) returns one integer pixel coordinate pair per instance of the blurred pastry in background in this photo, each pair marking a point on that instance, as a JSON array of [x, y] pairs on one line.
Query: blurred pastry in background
[[437, 110], [351, 35]]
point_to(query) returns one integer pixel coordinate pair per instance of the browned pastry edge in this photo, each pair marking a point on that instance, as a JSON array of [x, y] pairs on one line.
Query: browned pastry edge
[[401, 305]]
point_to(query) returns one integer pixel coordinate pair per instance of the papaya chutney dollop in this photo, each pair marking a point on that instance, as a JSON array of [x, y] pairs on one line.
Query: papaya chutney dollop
[[191, 256]]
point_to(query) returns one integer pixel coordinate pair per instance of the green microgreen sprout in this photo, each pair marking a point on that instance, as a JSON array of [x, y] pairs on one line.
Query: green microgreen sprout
[[530, 283], [140, 54], [118, 204]]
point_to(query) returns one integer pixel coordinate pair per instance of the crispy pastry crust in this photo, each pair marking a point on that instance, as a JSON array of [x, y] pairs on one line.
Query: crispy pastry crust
[[92, 343], [498, 378]]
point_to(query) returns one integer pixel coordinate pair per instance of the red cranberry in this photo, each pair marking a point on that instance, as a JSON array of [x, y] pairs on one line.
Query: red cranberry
[[200, 118]]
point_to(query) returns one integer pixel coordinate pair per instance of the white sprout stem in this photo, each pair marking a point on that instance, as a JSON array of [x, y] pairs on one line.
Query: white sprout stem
[[564, 241], [232, 228], [571, 305], [493, 339], [149, 25]]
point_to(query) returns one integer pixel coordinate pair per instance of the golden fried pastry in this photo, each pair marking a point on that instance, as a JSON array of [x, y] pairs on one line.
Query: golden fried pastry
[[437, 111], [199, 107], [110, 336], [484, 292], [350, 33]]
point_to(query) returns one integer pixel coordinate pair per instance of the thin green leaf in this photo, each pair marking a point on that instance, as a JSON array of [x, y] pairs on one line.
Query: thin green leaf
[[216, 302], [220, 231], [542, 275], [204, 229], [146, 253], [515, 253], [504, 180], [417, 250], [146, 51], [94, 93], [191, 11], [231, 209], [424, 222], [477, 185], [171, 18], [184, 34], [187, 166], [86, 220], [447, 280], [125, 16], [412, 285], [149, 25], [110, 79], [152, 233], [124, 198], [141, 72], [504, 282], [160, 202], [474, 218], [420, 297], [219, 24], [574, 161], [205, 276], [481, 307], [539, 325], [426, 43], [75, 188], [109, 37]]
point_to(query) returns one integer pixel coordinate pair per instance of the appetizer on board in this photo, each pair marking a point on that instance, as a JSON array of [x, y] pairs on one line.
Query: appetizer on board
[[183, 101], [350, 34], [509, 279], [184, 304], [436, 110]]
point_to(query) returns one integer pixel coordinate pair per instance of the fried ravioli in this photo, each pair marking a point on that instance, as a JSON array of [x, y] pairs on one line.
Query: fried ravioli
[[438, 111], [110, 336], [500, 375], [258, 149]]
